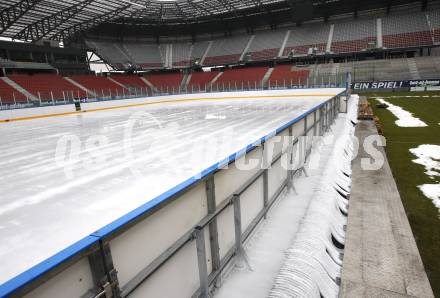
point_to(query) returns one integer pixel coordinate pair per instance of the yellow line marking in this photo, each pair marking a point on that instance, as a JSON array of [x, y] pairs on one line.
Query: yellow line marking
[[159, 102]]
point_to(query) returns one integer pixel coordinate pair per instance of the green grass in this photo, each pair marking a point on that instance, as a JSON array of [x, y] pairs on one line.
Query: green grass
[[422, 214]]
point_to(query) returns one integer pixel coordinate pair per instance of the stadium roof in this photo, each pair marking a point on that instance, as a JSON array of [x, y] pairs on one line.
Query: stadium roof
[[37, 19], [33, 20]]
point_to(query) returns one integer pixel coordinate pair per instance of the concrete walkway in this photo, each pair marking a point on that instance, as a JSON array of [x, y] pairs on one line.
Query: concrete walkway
[[381, 258]]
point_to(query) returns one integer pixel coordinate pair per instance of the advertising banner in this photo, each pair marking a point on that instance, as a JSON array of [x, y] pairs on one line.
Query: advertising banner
[[416, 84]]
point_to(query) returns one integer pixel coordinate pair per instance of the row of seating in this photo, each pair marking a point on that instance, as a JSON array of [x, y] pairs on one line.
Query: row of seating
[[341, 36], [48, 87], [53, 87], [9, 95]]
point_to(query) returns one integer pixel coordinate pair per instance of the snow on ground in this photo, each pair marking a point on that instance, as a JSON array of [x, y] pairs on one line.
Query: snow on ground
[[429, 157], [405, 118], [432, 191]]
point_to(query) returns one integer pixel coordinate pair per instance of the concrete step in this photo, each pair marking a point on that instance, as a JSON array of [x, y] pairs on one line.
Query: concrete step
[[413, 70], [20, 89], [185, 81], [117, 83], [215, 79], [80, 86], [267, 76], [149, 84]]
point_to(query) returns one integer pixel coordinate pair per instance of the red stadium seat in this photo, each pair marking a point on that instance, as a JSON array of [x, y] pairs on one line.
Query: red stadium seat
[[201, 79], [246, 77], [412, 39], [221, 60], [286, 74], [101, 86], [164, 81], [9, 95], [130, 80], [48, 86], [350, 46]]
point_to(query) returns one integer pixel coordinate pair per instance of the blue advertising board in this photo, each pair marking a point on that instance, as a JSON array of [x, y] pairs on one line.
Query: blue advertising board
[[394, 84]]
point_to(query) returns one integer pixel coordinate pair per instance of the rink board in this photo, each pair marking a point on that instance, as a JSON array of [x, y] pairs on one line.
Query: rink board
[[140, 239]]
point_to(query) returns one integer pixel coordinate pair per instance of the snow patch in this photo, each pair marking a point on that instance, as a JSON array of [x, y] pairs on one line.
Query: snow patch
[[432, 191], [429, 157], [405, 118]]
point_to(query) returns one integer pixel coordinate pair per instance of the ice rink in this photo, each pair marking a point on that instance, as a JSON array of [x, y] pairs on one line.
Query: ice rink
[[62, 178]]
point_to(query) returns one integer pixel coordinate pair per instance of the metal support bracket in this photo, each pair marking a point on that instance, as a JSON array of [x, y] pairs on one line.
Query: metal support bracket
[[241, 258], [104, 274]]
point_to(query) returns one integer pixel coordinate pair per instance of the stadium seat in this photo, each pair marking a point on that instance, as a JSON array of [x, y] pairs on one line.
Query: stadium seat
[[9, 95], [201, 79], [301, 39], [243, 77], [406, 30], [165, 81], [288, 75], [266, 45], [353, 36], [226, 50], [129, 80], [48, 86], [101, 86]]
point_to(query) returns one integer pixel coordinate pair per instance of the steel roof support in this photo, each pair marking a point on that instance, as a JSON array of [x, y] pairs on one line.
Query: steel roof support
[[10, 15], [41, 28], [67, 32]]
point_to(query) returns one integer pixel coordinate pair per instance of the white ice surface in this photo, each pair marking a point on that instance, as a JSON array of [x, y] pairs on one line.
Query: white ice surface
[[405, 118], [49, 201]]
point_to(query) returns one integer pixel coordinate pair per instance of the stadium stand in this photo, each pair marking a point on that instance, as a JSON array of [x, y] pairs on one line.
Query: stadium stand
[[164, 81], [199, 49], [407, 30], [182, 54], [163, 54], [303, 38], [266, 45], [433, 17], [251, 76], [129, 80], [353, 36], [349, 36], [288, 74], [101, 86], [144, 55], [110, 52], [9, 95], [48, 86], [428, 67], [226, 50], [201, 79], [399, 30]]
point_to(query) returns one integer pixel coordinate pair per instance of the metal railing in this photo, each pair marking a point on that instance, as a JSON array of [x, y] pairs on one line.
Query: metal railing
[[52, 98]]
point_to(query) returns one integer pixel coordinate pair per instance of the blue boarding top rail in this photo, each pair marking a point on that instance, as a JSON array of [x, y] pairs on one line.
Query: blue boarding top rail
[[30, 275]]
